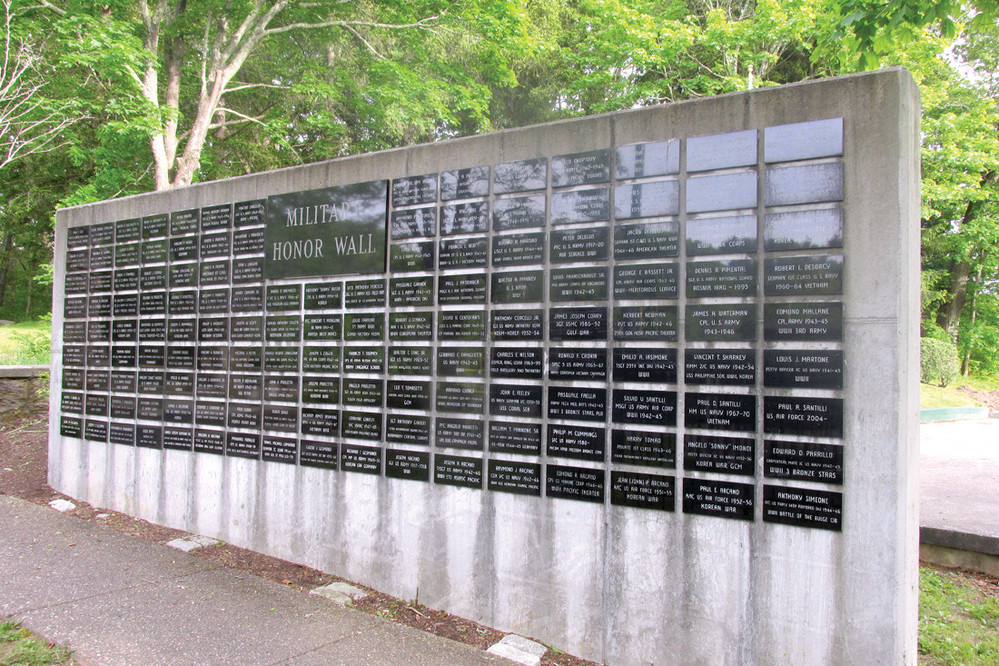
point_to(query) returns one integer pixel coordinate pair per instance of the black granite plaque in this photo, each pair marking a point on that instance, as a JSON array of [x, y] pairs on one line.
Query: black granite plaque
[[247, 270], [281, 389], [577, 363], [364, 294], [283, 328], [98, 356], [520, 400], [123, 357], [178, 411], [123, 380], [181, 330], [330, 327], [518, 287], [575, 483], [126, 305], [578, 403], [406, 257], [283, 297], [323, 295], [178, 438], [803, 461], [74, 331], [731, 367], [520, 176], [517, 325], [209, 441], [102, 234], [637, 447], [95, 430], [654, 199], [123, 407], [797, 415], [183, 275], [803, 322], [412, 465], [362, 326], [102, 281], [580, 442], [460, 361], [211, 301], [642, 160], [320, 390], [248, 241], [182, 302], [645, 282], [185, 222], [518, 213], [282, 418], [214, 273], [216, 217], [122, 433], [464, 218], [458, 471], [414, 222], [127, 231], [242, 445], [245, 387], [244, 415], [245, 359], [654, 322], [127, 255], [150, 382], [518, 249], [71, 427], [313, 453], [572, 245], [152, 277], [209, 413], [581, 206], [324, 422], [515, 437], [460, 397], [411, 291], [645, 364], [803, 229], [407, 429], [786, 368], [732, 277], [807, 183], [462, 288], [184, 248], [215, 329], [465, 183], [803, 507], [718, 498], [409, 360], [74, 355], [249, 213], [78, 236], [806, 275], [71, 403], [216, 245], [577, 323], [411, 326], [77, 283], [463, 253], [646, 407], [96, 404], [414, 190], [454, 433], [126, 279], [584, 168], [364, 359], [721, 235], [361, 425], [720, 455], [647, 241], [77, 261], [363, 392], [99, 331], [279, 449], [72, 379], [578, 284], [148, 436], [99, 306], [75, 308], [721, 411], [461, 325], [643, 491], [720, 323], [522, 478], [519, 362], [246, 329]]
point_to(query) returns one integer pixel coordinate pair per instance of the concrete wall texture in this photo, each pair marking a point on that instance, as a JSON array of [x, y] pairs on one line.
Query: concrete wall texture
[[612, 583]]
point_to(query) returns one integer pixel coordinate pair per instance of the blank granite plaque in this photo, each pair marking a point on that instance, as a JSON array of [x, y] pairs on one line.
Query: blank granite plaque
[[731, 277], [321, 390], [581, 206], [209, 441], [284, 297], [282, 418], [721, 151], [804, 507], [463, 253], [654, 199], [217, 217], [645, 407], [514, 477], [363, 392], [644, 364], [314, 453], [643, 491], [578, 284], [642, 160], [462, 288], [361, 425], [803, 276], [812, 183], [521, 400], [567, 363], [640, 447], [803, 229], [414, 222], [454, 433], [586, 168], [407, 394], [364, 359], [803, 322], [647, 241], [577, 323], [515, 437], [579, 442], [518, 249], [461, 325], [465, 218], [412, 465], [517, 325], [279, 449], [411, 326], [407, 429], [460, 397], [458, 471], [804, 461], [460, 361], [409, 360], [246, 329], [718, 498], [785, 368], [330, 327], [518, 287], [646, 281], [520, 176], [577, 403], [720, 411], [325, 422], [519, 362], [575, 483], [405, 257], [178, 438], [722, 192], [321, 359], [242, 445], [719, 455], [797, 415], [728, 322], [364, 294], [248, 241], [414, 190], [803, 141], [654, 322], [574, 245], [323, 295], [730, 367], [464, 183], [519, 212]]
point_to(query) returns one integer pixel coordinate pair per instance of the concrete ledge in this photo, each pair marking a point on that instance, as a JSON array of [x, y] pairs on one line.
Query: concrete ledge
[[952, 414], [22, 371], [977, 543], [963, 559]]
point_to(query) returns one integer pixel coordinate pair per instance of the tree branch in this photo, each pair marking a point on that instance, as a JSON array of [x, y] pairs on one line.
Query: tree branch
[[426, 24]]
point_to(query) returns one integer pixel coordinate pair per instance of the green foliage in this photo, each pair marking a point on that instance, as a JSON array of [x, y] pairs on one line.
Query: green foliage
[[938, 362], [19, 647], [958, 621]]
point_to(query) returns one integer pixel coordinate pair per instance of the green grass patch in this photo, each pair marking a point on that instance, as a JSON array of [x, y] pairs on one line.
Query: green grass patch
[[931, 397], [19, 647], [958, 619], [26, 344]]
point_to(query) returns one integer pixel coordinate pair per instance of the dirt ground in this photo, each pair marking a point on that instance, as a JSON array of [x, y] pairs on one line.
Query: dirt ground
[[23, 473], [989, 399]]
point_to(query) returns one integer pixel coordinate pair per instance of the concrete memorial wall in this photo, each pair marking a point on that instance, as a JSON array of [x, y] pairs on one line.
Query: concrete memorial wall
[[640, 385]]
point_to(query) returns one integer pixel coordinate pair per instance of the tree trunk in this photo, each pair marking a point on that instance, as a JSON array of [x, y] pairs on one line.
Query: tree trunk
[[949, 316]]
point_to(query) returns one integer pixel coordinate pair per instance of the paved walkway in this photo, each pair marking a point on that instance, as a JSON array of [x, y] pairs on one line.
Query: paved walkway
[[116, 599]]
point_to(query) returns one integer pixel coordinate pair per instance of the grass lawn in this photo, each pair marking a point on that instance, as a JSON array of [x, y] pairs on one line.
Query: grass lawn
[[958, 618], [26, 343], [19, 646]]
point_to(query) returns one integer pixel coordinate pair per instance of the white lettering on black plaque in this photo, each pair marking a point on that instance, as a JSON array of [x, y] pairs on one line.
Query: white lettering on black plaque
[[718, 498], [643, 491], [803, 507]]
